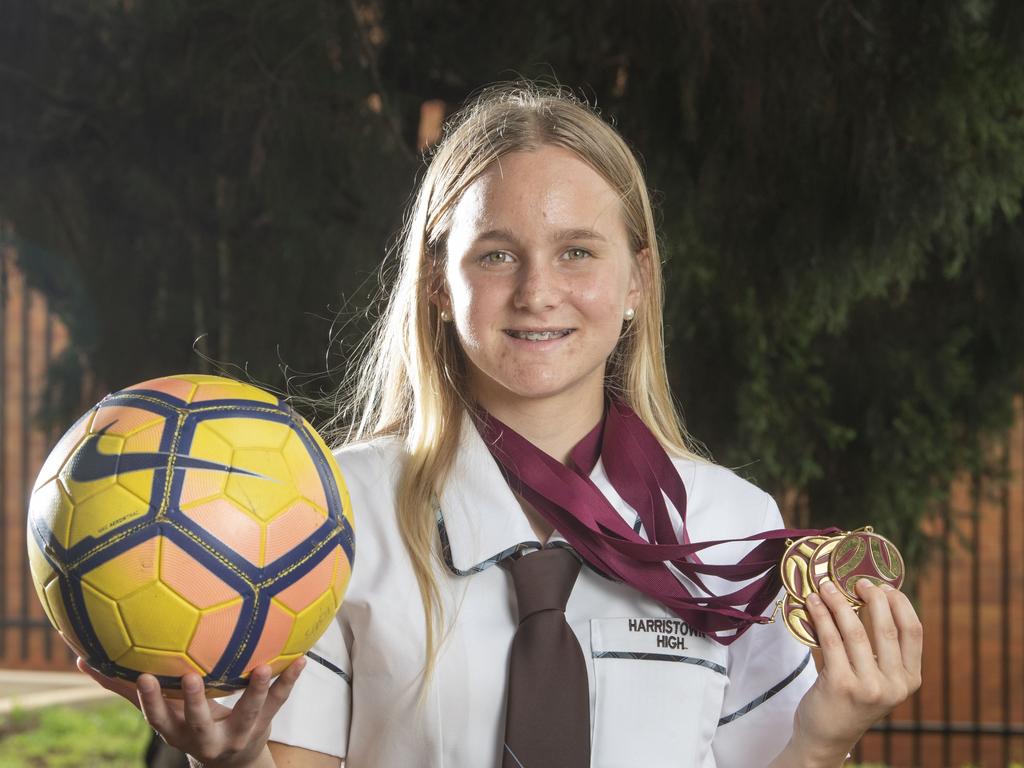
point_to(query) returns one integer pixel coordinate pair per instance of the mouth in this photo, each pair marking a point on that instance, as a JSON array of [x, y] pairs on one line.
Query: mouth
[[560, 333]]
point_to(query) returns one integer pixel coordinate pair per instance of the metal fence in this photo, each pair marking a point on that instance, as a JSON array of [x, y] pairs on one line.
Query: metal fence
[[30, 337], [970, 710]]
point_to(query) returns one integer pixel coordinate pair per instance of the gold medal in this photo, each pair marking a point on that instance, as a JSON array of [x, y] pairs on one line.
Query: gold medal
[[818, 568], [865, 555], [844, 559], [795, 567], [798, 621]]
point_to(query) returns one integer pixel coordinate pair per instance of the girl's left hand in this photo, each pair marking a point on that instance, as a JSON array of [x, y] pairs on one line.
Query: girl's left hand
[[868, 667]]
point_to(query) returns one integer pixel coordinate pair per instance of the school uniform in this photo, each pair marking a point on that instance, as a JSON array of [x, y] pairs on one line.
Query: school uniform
[[661, 694]]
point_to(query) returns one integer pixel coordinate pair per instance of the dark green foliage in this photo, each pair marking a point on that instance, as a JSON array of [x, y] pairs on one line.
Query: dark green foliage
[[839, 183]]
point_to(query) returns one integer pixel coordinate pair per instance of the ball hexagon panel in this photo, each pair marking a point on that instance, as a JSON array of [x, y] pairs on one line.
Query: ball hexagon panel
[[127, 572], [201, 388], [125, 421], [158, 619], [268, 490], [248, 431], [51, 512], [233, 526], [61, 452], [180, 387], [158, 662], [71, 473], [60, 616], [214, 630], [303, 470], [203, 483], [106, 622], [102, 513], [217, 388], [277, 627], [310, 623], [297, 522], [309, 588], [191, 580], [42, 573]]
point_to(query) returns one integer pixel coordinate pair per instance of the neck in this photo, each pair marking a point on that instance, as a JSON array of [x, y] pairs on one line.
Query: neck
[[555, 424]]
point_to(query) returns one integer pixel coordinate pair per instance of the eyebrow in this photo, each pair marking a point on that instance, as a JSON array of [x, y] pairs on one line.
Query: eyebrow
[[574, 233]]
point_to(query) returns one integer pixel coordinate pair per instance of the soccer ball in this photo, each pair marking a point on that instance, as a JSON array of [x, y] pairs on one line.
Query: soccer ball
[[190, 523]]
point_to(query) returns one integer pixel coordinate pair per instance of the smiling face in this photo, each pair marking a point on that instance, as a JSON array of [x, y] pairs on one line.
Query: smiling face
[[538, 275]]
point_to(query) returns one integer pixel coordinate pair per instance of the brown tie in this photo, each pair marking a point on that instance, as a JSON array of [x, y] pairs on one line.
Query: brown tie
[[547, 718]]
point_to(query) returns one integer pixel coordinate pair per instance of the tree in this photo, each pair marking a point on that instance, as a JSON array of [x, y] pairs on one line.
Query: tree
[[840, 188]]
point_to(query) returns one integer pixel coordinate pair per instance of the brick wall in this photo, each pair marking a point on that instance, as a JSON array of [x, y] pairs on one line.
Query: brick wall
[[30, 336], [974, 626]]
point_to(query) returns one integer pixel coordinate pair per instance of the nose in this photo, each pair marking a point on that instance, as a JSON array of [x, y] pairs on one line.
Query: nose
[[537, 287]]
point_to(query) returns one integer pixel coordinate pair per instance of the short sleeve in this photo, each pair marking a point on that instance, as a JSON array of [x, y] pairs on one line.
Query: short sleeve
[[769, 672], [317, 714]]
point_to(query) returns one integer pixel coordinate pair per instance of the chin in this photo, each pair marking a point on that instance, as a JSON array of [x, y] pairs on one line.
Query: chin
[[544, 390]]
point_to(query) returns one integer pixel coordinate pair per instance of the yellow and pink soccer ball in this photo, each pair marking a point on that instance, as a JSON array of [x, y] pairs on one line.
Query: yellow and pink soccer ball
[[190, 523]]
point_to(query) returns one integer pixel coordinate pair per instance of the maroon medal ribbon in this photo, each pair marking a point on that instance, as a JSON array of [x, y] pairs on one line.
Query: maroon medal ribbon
[[643, 475]]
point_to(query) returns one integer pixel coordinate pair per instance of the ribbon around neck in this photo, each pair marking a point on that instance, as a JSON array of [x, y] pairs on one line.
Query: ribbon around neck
[[643, 475]]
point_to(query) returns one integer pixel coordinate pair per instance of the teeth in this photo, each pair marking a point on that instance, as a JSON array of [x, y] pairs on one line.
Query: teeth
[[537, 335]]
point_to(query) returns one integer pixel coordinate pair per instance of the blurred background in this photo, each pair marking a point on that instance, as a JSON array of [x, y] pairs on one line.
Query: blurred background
[[213, 185]]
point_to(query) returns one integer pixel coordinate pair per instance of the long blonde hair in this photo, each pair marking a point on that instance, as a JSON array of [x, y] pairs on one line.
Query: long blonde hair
[[411, 382]]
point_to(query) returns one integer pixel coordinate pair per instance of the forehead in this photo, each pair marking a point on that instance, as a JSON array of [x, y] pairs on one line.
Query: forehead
[[549, 188]]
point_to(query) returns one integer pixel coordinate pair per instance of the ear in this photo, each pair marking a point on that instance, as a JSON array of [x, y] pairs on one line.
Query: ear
[[437, 288], [639, 277]]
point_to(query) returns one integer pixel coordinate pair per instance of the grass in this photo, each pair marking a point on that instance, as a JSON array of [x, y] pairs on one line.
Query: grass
[[112, 734], [109, 734]]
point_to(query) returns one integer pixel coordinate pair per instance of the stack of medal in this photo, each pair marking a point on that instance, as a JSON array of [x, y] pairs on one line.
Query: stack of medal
[[845, 558]]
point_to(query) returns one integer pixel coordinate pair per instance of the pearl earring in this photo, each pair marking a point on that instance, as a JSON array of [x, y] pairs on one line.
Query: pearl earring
[[446, 316], [629, 314]]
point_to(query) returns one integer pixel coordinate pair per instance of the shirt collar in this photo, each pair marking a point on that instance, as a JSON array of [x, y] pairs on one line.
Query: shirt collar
[[479, 520]]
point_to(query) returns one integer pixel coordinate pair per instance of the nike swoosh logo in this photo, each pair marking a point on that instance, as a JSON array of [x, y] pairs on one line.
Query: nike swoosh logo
[[92, 464]]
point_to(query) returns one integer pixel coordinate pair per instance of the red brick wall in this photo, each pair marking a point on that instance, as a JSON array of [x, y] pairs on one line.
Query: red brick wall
[[985, 590], [26, 640]]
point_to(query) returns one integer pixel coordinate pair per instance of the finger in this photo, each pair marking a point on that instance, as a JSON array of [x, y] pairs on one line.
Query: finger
[[117, 685], [154, 706], [855, 636], [885, 638], [833, 652], [282, 688], [250, 703], [197, 710], [911, 633]]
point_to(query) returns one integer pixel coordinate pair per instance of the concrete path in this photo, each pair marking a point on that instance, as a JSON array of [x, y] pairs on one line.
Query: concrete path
[[32, 690]]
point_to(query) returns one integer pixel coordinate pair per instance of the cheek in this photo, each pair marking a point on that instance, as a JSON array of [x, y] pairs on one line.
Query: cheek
[[474, 306], [600, 298]]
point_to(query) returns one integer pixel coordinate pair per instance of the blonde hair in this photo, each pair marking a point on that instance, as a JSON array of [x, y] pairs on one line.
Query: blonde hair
[[411, 382]]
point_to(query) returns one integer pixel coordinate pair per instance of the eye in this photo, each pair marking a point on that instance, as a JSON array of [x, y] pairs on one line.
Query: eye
[[495, 257], [577, 254]]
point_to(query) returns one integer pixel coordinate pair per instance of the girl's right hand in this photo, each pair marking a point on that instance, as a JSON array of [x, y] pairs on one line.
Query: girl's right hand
[[216, 735]]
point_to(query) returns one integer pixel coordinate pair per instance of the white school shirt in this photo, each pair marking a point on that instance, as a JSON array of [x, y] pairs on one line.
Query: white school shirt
[[661, 694]]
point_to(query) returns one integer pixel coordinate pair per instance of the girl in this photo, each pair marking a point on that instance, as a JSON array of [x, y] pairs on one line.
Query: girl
[[514, 419]]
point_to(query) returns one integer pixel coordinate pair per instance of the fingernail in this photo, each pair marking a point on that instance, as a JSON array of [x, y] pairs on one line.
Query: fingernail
[[191, 684], [146, 684], [828, 586], [888, 587], [813, 599]]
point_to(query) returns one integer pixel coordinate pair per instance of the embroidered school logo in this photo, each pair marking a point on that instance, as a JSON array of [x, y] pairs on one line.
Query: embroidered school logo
[[90, 463]]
